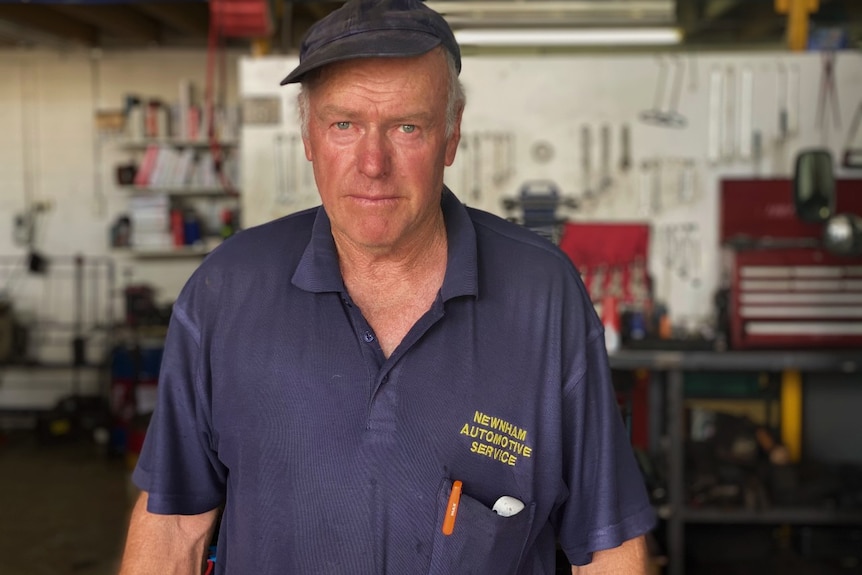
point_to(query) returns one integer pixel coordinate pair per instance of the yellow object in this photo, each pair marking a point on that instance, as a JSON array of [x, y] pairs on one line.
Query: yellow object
[[791, 413], [753, 409], [797, 20], [60, 427], [261, 47]]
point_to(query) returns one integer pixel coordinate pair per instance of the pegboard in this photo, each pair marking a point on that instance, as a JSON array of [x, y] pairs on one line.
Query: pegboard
[[689, 120]]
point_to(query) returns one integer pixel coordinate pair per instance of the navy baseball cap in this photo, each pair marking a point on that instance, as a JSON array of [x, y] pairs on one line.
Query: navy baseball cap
[[374, 29]]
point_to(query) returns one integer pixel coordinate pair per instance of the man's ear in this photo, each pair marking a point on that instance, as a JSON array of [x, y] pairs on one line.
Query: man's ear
[[307, 147]]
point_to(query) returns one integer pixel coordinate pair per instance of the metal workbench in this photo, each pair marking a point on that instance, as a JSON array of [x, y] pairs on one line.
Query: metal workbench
[[667, 369]]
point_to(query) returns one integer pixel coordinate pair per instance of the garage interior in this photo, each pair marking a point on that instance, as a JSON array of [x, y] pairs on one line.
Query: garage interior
[[659, 143]]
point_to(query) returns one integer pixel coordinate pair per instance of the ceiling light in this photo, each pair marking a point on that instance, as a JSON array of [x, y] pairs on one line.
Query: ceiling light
[[568, 37], [592, 12]]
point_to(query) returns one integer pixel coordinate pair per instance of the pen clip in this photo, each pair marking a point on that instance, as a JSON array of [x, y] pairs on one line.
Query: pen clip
[[452, 508]]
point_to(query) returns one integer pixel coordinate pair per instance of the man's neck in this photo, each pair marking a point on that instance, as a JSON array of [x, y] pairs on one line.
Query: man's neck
[[413, 259], [393, 290]]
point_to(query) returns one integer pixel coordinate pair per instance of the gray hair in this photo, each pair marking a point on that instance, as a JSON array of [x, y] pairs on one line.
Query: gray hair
[[456, 99]]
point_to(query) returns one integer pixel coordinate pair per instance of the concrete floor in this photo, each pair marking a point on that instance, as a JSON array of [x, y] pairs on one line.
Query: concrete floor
[[63, 507]]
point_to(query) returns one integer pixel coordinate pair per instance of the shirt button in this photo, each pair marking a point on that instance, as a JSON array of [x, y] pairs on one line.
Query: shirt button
[[385, 378], [368, 337]]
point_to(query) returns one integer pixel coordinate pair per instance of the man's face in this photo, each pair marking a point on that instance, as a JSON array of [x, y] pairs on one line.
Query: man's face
[[377, 139]]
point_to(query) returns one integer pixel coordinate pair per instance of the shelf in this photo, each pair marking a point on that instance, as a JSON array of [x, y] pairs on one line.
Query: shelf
[[170, 252], [144, 144], [791, 515], [833, 360], [180, 191], [49, 366]]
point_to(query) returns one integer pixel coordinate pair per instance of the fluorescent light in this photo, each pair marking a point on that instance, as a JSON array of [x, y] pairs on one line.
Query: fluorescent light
[[568, 37], [608, 12]]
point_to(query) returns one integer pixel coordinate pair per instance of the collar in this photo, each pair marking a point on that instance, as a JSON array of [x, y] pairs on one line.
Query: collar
[[318, 269]]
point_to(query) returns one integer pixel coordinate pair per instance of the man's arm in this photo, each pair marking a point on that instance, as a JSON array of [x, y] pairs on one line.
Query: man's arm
[[166, 544], [630, 558]]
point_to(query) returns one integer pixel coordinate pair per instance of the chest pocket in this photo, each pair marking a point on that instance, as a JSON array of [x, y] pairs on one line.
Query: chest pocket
[[482, 542]]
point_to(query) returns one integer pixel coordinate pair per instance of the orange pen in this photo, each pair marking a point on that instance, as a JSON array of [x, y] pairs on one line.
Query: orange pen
[[452, 508]]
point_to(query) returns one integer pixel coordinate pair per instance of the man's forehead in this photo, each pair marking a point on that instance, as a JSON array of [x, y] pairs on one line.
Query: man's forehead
[[427, 70], [380, 66]]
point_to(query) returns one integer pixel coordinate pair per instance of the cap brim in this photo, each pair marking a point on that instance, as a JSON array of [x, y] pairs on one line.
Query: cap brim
[[376, 44]]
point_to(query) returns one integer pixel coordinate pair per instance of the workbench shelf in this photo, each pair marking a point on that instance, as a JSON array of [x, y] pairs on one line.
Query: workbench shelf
[[773, 516], [194, 251], [133, 145], [668, 438], [187, 191]]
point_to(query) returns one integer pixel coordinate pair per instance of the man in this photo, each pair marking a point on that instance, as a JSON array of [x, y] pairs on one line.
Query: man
[[353, 388]]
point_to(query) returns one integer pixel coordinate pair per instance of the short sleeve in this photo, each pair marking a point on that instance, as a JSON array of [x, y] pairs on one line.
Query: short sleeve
[[179, 467], [607, 502]]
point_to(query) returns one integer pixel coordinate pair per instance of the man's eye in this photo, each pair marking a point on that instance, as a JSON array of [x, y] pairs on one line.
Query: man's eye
[[408, 128], [342, 125]]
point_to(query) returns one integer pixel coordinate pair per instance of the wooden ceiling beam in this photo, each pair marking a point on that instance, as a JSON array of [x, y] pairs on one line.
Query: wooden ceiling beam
[[114, 20], [699, 16], [186, 17], [761, 23], [43, 19]]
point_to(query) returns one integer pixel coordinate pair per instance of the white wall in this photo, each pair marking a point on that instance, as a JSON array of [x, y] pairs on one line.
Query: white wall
[[50, 152], [549, 99], [48, 100]]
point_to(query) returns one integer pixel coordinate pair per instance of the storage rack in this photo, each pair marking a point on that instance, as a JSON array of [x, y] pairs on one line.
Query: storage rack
[[69, 326], [668, 369]]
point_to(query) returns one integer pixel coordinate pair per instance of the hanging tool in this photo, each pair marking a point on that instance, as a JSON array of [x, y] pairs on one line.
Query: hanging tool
[[497, 174], [657, 115], [716, 93], [688, 191], [625, 161], [746, 105], [852, 156], [692, 74], [757, 152], [605, 180], [828, 95], [783, 111], [587, 162], [502, 170], [728, 144], [656, 187], [625, 148], [788, 113], [693, 232], [644, 188], [793, 99], [510, 155]]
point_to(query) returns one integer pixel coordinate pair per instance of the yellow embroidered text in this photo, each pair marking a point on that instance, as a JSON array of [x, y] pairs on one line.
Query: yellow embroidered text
[[497, 438]]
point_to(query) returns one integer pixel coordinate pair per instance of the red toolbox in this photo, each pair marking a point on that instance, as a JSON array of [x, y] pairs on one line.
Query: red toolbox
[[785, 290]]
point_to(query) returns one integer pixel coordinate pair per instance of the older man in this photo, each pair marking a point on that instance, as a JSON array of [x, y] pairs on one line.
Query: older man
[[390, 383]]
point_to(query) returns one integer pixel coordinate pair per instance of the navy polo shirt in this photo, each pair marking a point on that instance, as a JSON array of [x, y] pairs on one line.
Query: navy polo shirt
[[276, 402]]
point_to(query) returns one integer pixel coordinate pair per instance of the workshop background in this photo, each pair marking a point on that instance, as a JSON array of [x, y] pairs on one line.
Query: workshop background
[[655, 141]]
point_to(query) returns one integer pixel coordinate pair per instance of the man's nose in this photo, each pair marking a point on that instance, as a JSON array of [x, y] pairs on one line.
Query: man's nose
[[374, 154]]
